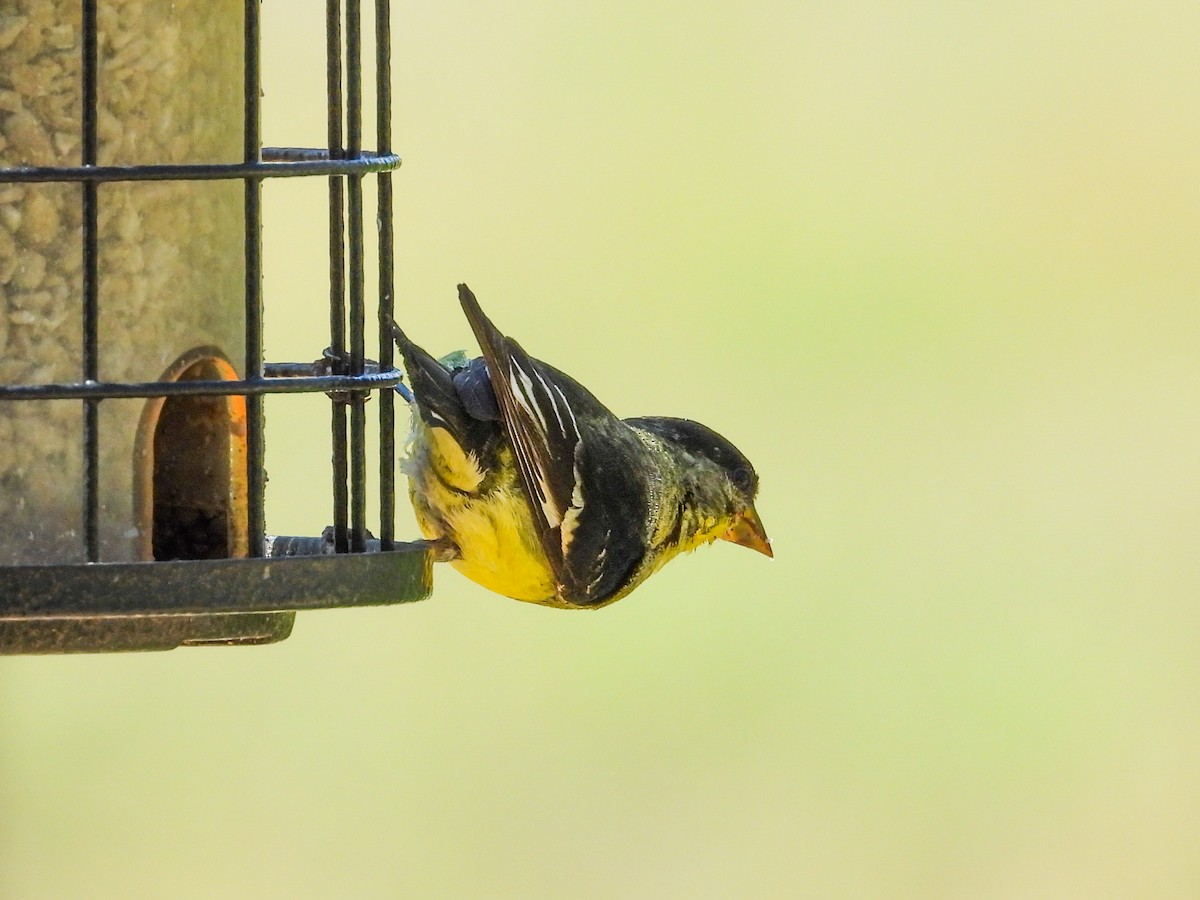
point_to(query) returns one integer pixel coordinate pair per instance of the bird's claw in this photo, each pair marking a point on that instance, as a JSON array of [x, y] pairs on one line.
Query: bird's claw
[[444, 550]]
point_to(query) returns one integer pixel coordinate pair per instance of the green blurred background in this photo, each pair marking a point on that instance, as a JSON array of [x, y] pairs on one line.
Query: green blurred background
[[934, 268]]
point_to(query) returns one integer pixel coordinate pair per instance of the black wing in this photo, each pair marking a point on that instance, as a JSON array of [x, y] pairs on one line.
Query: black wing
[[588, 502]]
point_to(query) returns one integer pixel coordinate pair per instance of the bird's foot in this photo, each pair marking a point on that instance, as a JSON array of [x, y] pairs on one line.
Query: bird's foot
[[444, 550]]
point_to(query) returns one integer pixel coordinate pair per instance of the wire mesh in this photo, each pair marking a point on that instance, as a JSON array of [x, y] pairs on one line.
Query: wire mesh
[[349, 375], [171, 602]]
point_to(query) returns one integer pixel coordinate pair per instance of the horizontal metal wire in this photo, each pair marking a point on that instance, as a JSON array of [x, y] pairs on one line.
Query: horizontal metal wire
[[372, 381], [278, 162]]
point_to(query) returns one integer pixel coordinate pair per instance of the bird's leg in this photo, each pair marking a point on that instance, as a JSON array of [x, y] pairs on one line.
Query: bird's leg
[[444, 550]]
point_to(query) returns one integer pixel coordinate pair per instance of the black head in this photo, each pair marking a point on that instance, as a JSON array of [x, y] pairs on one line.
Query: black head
[[700, 440], [703, 444]]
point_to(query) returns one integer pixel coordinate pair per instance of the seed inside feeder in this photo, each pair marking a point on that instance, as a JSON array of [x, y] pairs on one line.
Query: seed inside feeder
[[169, 263]]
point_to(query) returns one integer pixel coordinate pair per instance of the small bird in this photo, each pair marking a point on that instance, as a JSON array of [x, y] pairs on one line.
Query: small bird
[[538, 492]]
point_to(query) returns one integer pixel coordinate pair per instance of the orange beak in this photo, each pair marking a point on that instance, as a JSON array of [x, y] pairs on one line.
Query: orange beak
[[748, 531]]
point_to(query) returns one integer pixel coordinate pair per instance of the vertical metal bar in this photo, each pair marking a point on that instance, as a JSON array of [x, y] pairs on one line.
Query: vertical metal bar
[[337, 271], [387, 398], [252, 147], [353, 77], [91, 286], [358, 413]]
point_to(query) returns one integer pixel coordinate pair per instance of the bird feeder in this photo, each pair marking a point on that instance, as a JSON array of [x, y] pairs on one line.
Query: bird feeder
[[133, 389]]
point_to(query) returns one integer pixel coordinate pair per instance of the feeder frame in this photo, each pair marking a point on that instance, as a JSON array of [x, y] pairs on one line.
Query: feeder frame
[[101, 605]]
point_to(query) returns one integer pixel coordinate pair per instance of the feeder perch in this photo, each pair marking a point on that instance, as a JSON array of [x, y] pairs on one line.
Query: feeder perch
[[133, 388]]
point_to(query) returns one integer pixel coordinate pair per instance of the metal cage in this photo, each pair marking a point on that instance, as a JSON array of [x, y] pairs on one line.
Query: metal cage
[[210, 574]]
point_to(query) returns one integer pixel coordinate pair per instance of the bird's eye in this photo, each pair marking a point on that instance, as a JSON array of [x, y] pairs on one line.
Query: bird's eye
[[742, 478]]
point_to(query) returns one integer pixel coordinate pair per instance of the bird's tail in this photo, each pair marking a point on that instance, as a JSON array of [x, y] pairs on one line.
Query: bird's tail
[[432, 386]]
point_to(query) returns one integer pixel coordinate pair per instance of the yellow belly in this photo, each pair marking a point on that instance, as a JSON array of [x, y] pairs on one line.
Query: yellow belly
[[493, 531]]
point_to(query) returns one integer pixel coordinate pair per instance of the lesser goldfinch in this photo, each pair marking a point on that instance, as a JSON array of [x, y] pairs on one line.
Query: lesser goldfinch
[[541, 494]]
